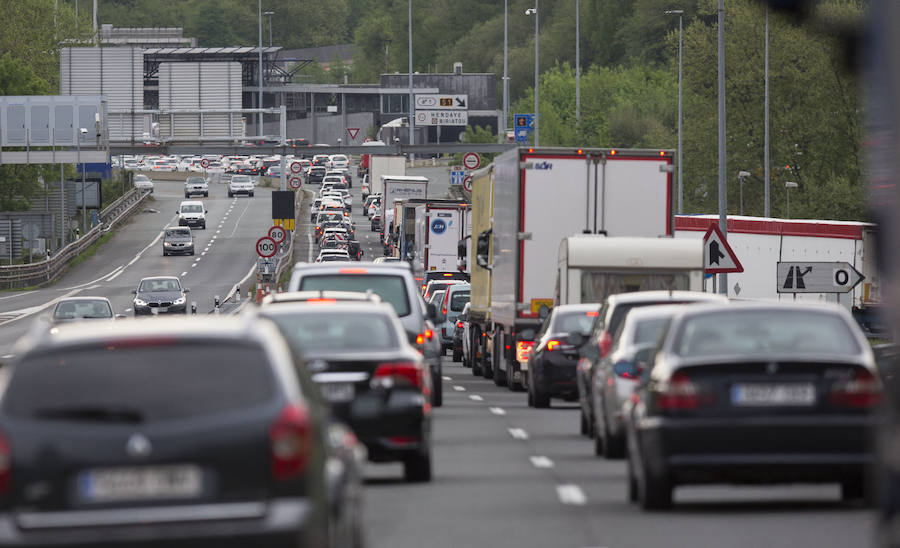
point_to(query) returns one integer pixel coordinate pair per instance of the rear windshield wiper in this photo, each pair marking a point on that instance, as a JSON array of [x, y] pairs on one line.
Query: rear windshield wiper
[[91, 414]]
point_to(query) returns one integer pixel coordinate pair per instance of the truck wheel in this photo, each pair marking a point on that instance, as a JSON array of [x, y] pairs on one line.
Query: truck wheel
[[499, 376]]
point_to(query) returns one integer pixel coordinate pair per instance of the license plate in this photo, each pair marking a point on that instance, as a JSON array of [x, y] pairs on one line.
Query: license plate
[[143, 483], [770, 395], [162, 309], [337, 391]]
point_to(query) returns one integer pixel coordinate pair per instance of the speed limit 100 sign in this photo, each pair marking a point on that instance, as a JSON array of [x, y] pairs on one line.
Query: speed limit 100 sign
[[266, 247], [277, 233]]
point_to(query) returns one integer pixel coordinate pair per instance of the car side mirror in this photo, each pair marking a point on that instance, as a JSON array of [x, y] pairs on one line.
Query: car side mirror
[[207, 211], [134, 291], [431, 311], [186, 290]]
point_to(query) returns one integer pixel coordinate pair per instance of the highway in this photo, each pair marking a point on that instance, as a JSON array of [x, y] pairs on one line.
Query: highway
[[505, 474]]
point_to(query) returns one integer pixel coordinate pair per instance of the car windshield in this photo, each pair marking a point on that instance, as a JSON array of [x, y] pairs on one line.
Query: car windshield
[[195, 180], [177, 233], [146, 383], [138, 178], [192, 208], [67, 310], [160, 284], [240, 179], [316, 332], [755, 333], [390, 288], [572, 321]]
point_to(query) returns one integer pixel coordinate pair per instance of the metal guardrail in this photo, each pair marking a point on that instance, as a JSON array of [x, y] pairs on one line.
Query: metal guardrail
[[15, 276]]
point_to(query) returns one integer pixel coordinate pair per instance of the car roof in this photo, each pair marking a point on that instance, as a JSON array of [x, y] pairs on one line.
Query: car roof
[[576, 307], [306, 296], [161, 278], [82, 298], [653, 296]]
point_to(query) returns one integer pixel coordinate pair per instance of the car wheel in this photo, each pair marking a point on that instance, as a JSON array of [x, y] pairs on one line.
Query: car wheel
[[584, 424], [230, 194], [417, 468], [192, 252], [654, 492], [530, 392], [457, 355], [632, 482], [203, 226], [251, 194], [853, 490], [476, 368], [613, 446], [186, 195], [499, 377], [437, 398], [599, 445], [541, 398], [206, 194]]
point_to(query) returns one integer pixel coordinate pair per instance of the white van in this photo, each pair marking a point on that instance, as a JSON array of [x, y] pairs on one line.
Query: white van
[[192, 213]]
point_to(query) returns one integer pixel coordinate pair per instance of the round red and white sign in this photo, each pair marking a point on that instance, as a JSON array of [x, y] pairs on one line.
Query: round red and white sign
[[278, 234], [266, 247], [467, 183], [296, 167], [471, 160], [204, 163], [294, 182]]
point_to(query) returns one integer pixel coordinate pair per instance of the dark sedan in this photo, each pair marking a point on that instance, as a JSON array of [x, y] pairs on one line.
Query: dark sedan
[[177, 433], [373, 378], [760, 393], [551, 366], [160, 295]]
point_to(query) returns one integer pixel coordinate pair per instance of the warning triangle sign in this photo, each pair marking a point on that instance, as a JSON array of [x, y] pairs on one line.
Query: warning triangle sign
[[718, 257], [353, 131]]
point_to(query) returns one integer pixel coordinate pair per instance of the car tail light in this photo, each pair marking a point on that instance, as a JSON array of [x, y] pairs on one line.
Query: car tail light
[[523, 350], [552, 345], [352, 271], [388, 375], [321, 301], [605, 343], [459, 325], [291, 441], [681, 393], [420, 338], [863, 390], [429, 334]]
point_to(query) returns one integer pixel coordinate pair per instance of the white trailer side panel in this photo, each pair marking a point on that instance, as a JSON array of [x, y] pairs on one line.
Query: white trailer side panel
[[444, 232]]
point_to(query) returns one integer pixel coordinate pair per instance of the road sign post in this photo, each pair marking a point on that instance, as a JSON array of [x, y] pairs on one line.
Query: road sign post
[[817, 277]]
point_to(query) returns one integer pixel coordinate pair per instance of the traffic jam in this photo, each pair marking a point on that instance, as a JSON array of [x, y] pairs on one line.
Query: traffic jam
[[568, 292]]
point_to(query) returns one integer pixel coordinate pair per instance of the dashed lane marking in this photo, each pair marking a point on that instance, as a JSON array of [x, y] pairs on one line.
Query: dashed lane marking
[[184, 273], [497, 411], [518, 433], [446, 378], [476, 397], [459, 388], [540, 461], [571, 494]]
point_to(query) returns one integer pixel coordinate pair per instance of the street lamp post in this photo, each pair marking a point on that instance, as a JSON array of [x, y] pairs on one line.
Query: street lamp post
[[680, 14], [502, 138], [787, 189], [412, 106], [259, 116], [81, 133], [742, 177], [577, 65], [269, 14], [534, 11]]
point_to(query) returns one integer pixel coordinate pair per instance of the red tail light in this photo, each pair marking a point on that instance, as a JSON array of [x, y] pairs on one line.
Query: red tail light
[[388, 374], [680, 393], [552, 345], [523, 350], [291, 441], [863, 390], [429, 334], [605, 343], [459, 325], [420, 338]]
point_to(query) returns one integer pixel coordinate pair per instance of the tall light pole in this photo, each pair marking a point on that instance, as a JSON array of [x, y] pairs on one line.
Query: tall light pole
[[680, 14], [577, 65], [502, 138], [766, 212], [723, 189], [412, 106], [259, 117], [788, 185], [269, 14], [534, 11]]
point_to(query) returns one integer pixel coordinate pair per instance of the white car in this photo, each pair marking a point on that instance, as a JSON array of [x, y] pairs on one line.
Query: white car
[[192, 213], [338, 161], [142, 182], [240, 184], [164, 165], [196, 184], [331, 254]]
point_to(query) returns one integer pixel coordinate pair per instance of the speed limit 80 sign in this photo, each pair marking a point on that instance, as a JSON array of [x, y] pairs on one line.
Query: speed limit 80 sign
[[277, 233], [266, 247]]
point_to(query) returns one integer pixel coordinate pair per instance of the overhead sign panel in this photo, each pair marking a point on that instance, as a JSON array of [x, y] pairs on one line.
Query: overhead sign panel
[[718, 257], [437, 101], [442, 117], [817, 277]]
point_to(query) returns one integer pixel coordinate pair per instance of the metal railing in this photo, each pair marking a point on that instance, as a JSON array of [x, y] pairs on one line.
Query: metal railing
[[42, 272]]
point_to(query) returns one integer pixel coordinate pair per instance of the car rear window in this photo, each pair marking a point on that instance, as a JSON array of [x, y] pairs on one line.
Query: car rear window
[[156, 382], [648, 331], [759, 332], [573, 322], [619, 313], [391, 289], [458, 300], [317, 332], [67, 310]]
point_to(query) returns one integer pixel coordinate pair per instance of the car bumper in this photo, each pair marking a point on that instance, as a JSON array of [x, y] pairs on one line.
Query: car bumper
[[179, 250], [757, 450], [174, 309], [191, 222], [391, 426], [555, 376], [191, 192], [278, 522]]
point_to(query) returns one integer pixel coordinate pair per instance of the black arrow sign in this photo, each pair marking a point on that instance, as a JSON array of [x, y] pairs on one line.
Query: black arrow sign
[[714, 253], [460, 103]]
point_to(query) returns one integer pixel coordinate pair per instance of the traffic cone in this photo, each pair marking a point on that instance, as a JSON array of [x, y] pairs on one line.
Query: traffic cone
[[260, 293], [279, 288]]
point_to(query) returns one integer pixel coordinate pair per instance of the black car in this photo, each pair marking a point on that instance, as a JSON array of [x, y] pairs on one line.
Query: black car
[[754, 393], [374, 379], [178, 240], [316, 174], [551, 365], [177, 433], [160, 295]]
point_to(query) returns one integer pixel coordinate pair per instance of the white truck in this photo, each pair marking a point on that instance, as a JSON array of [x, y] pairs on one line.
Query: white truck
[[398, 187], [760, 243], [380, 166], [440, 226], [524, 204]]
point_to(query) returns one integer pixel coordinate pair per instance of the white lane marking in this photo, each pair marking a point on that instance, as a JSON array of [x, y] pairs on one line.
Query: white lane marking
[[127, 310], [238, 222], [446, 378], [202, 254], [476, 397], [184, 273], [459, 388], [309, 238], [92, 282], [569, 493], [8, 356], [116, 275], [220, 231], [497, 411], [17, 295], [197, 260], [518, 433], [540, 461], [194, 265]]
